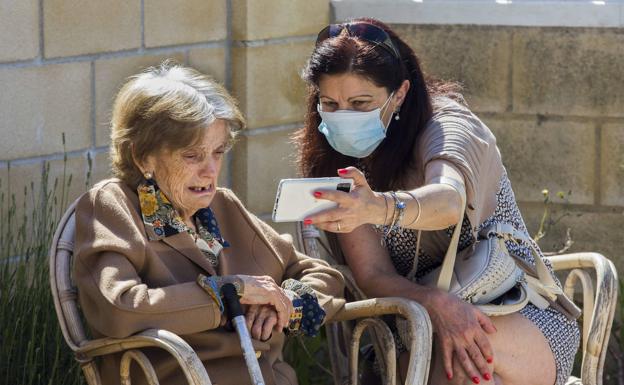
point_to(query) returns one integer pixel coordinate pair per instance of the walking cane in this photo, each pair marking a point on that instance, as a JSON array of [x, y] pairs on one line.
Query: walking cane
[[236, 316]]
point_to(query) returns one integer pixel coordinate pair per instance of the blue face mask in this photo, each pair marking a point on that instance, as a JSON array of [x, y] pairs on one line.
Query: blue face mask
[[353, 133]]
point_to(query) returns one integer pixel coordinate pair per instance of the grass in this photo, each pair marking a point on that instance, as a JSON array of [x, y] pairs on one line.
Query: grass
[[32, 349]]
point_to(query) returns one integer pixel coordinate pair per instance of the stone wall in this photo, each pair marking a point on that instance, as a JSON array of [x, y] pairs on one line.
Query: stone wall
[[61, 63], [553, 96], [554, 99]]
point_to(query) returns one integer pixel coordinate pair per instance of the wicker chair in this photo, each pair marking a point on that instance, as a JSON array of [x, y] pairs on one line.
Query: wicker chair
[[86, 349], [599, 301]]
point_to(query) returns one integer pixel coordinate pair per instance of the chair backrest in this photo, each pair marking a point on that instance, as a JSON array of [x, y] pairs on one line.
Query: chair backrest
[[599, 304], [64, 292]]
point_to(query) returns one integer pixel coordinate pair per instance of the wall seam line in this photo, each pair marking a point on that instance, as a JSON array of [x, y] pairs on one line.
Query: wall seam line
[[41, 56], [510, 88], [142, 24], [113, 54], [598, 164], [50, 157], [271, 129], [273, 41], [93, 107], [229, 177]]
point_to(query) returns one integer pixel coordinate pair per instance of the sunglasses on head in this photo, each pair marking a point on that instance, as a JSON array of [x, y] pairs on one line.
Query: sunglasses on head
[[364, 31]]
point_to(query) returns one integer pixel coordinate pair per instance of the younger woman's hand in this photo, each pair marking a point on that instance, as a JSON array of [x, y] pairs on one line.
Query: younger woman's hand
[[361, 205], [262, 290], [462, 330]]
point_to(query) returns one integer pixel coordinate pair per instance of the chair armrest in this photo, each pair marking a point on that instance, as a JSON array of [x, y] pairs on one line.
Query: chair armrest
[[191, 365], [601, 318], [419, 329]]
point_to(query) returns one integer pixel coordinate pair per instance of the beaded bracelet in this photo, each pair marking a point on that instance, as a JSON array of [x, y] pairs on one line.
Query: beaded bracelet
[[400, 211]]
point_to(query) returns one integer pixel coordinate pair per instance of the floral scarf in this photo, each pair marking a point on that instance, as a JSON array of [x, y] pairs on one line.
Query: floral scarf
[[162, 220]]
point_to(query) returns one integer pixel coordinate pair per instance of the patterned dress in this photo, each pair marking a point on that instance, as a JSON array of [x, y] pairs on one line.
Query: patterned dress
[[562, 334]]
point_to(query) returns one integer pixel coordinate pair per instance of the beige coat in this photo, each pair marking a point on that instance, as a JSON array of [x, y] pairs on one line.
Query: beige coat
[[127, 283]]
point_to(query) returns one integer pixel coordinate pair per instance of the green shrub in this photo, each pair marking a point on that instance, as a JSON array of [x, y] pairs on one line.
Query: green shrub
[[32, 349]]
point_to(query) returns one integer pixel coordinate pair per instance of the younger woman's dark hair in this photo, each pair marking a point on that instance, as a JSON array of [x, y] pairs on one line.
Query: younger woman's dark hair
[[387, 167]]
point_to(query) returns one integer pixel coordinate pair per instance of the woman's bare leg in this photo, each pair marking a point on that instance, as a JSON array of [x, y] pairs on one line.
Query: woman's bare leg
[[521, 356]]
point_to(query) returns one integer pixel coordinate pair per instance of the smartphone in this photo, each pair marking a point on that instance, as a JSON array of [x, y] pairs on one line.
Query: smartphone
[[295, 198]]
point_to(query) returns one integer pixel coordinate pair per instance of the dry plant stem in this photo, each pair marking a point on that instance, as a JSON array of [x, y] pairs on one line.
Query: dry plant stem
[[568, 244], [540, 232]]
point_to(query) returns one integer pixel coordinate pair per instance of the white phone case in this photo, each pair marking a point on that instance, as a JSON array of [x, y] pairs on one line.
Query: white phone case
[[295, 197]]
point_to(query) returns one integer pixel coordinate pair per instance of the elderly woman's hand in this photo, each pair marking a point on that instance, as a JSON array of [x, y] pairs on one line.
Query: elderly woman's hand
[[361, 205], [261, 321], [262, 290], [461, 333]]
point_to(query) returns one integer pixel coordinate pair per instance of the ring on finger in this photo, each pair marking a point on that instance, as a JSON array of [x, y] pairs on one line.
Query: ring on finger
[[338, 226]]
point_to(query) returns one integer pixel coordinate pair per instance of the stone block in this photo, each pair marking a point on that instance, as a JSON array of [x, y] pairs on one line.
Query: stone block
[[23, 182], [612, 165], [73, 27], [255, 20], [71, 176], [258, 164], [477, 57], [268, 84], [184, 21], [568, 71], [590, 231], [225, 176], [553, 155], [210, 61], [43, 103], [110, 74], [19, 30], [101, 168]]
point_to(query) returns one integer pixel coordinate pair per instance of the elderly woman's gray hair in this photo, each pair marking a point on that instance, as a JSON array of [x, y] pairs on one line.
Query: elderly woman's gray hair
[[165, 108]]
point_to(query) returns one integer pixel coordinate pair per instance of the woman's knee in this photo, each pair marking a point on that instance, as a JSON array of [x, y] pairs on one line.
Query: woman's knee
[[519, 344]]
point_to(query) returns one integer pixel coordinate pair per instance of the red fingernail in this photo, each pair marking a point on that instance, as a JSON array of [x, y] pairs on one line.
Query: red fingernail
[[490, 360], [342, 171], [449, 376], [487, 376], [307, 221], [476, 380], [318, 194]]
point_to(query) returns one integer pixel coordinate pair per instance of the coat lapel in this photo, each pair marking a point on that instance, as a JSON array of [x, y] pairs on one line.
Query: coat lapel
[[183, 243]]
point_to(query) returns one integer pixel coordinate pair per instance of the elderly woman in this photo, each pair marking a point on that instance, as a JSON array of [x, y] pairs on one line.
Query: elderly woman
[[413, 148], [155, 244]]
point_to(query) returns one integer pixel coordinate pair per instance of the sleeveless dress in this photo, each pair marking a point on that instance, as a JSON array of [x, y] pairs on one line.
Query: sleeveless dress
[[457, 136]]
